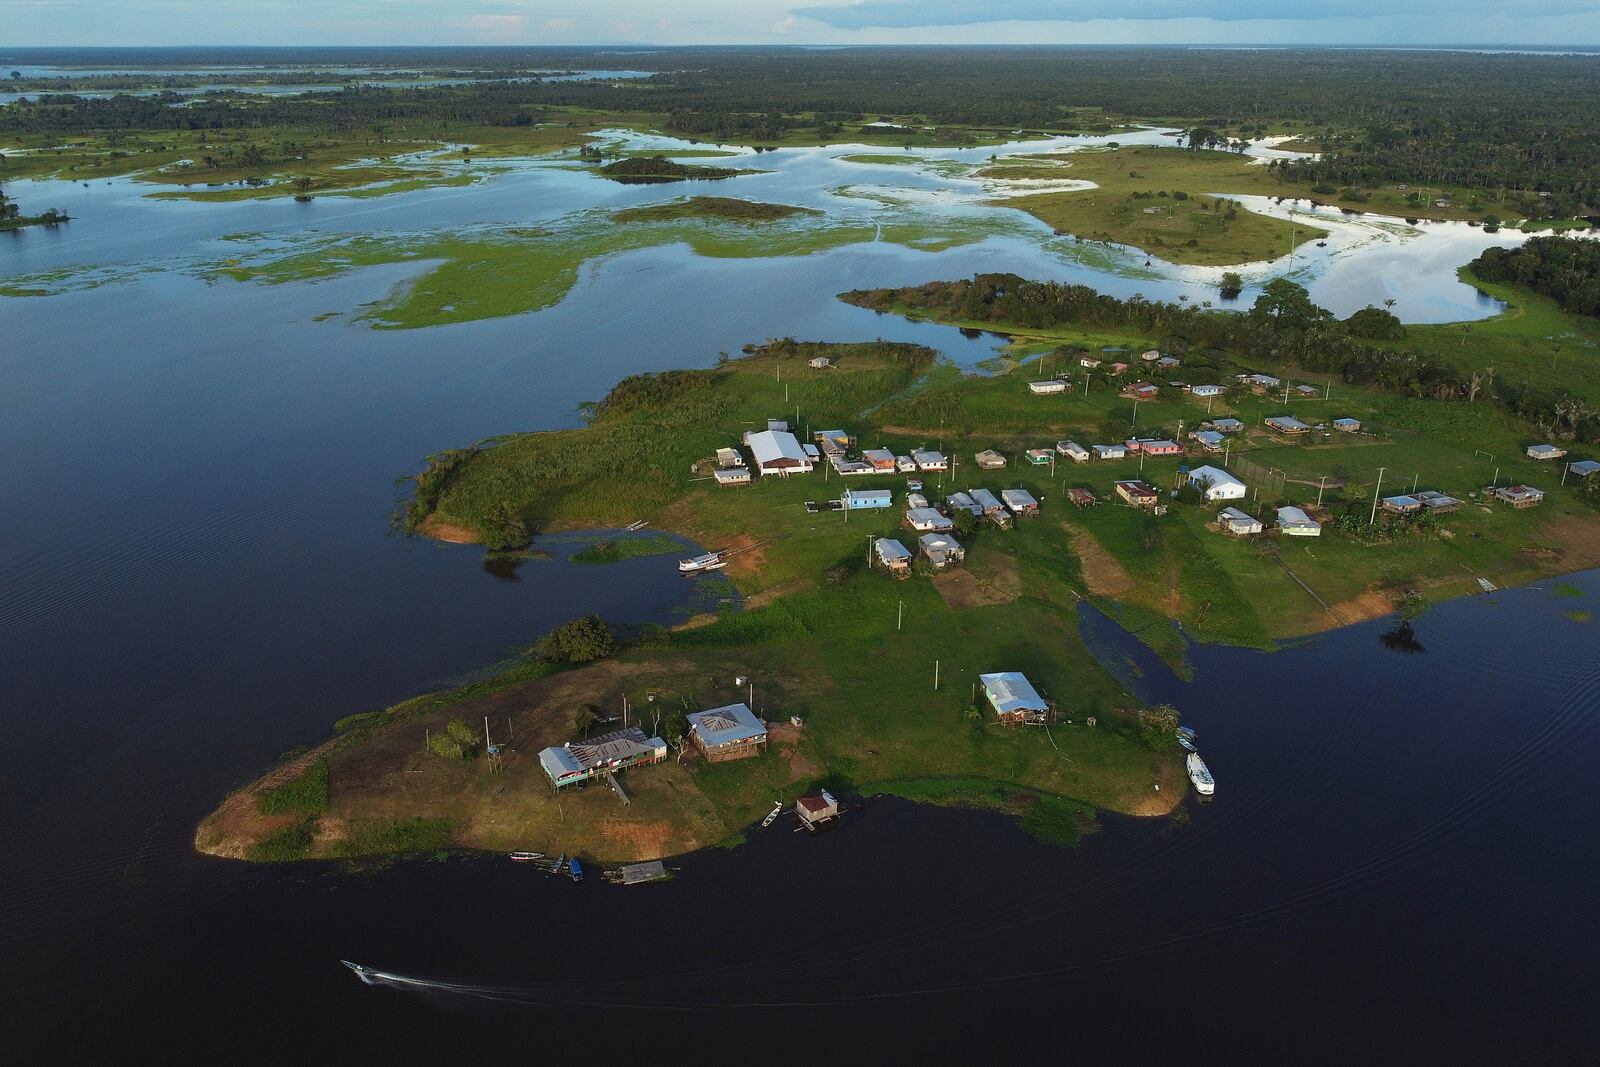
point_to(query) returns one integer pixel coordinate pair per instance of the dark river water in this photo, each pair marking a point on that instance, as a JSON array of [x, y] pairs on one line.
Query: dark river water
[[198, 575]]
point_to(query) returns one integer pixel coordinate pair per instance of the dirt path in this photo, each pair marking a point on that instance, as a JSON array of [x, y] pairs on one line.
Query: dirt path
[[1101, 573]]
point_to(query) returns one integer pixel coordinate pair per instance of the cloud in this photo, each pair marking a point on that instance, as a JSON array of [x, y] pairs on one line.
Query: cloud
[[896, 14], [786, 24]]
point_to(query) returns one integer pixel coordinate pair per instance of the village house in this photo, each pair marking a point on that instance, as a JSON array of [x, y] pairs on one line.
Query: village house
[[1543, 452], [916, 500], [579, 761], [1073, 451], [927, 461], [818, 363], [1204, 391], [1150, 355], [814, 809], [1110, 451], [1519, 496], [1014, 698], [1583, 468], [987, 502], [881, 459], [1141, 390], [1438, 503], [1020, 502], [1154, 446], [777, 452], [1287, 424], [1088, 362], [1137, 493], [963, 502], [1259, 383], [1401, 505], [891, 555], [1294, 522], [941, 550], [1040, 457], [1347, 425], [1117, 369], [1215, 484], [1307, 392], [731, 475], [1235, 522], [850, 467], [1167, 363], [727, 733], [780, 425], [863, 499], [1047, 387], [729, 457], [1081, 497], [927, 519], [1226, 425], [1210, 440], [989, 460]]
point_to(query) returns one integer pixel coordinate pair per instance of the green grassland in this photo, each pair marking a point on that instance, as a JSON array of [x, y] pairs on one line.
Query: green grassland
[[1160, 200]]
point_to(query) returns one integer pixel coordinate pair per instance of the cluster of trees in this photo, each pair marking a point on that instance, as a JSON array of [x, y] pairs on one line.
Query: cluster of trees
[[579, 641], [11, 215], [1284, 326], [1566, 269]]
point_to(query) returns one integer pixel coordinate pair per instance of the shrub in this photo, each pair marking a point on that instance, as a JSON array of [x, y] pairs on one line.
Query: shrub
[[579, 641], [1158, 725], [306, 794]]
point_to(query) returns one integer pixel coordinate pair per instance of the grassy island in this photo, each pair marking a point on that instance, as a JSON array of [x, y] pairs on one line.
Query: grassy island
[[653, 170], [712, 207], [848, 649]]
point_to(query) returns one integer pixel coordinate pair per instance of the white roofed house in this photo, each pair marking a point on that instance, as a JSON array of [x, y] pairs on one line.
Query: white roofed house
[[928, 460], [1287, 424], [1519, 496], [1545, 452], [1294, 522], [1235, 522], [818, 363], [1204, 391], [732, 475], [727, 733], [1073, 451], [777, 452], [963, 502], [1046, 387], [925, 520], [1013, 698], [1117, 451], [891, 555], [1227, 425], [940, 549], [1020, 501], [1216, 484], [989, 459], [1210, 440]]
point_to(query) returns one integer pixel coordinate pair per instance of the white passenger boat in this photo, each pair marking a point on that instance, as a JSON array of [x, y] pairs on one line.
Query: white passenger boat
[[709, 562], [1204, 784]]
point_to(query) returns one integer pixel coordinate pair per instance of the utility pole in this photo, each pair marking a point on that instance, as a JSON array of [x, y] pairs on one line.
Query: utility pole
[[1320, 484], [1374, 516], [900, 617], [936, 676], [1564, 471], [1327, 391], [752, 694], [1414, 479], [1135, 421]]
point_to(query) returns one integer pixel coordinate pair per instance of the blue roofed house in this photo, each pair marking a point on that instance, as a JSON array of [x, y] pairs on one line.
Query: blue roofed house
[[1014, 698], [727, 733], [578, 761]]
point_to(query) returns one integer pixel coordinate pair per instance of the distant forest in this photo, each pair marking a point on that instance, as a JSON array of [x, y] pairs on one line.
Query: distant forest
[[1565, 268], [1519, 123]]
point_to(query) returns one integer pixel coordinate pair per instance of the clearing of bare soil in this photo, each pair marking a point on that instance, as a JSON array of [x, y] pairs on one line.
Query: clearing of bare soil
[[1102, 574], [988, 579]]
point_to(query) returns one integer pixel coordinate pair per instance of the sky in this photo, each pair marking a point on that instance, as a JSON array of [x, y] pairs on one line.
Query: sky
[[684, 22]]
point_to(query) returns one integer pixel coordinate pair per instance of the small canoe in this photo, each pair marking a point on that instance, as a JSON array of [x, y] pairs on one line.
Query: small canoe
[[526, 857]]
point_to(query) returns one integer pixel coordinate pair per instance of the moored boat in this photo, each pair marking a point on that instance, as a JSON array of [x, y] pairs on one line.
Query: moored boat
[[773, 814], [1200, 775], [1186, 742], [526, 857], [709, 562]]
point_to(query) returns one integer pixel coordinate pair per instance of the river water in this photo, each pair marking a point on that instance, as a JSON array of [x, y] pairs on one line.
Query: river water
[[198, 575]]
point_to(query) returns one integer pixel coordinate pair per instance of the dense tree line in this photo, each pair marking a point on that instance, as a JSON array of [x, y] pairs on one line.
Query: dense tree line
[[1519, 127], [1564, 268], [1283, 327]]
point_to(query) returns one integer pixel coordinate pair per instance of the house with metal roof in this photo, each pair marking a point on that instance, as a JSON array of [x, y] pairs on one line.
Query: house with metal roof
[[986, 500], [862, 499], [777, 452], [891, 555], [727, 733], [1203, 391], [1137, 493], [1141, 390], [916, 500], [814, 809], [1215, 484], [1227, 425], [941, 550], [579, 761], [963, 502], [1047, 387], [1150, 355], [1013, 698], [818, 363], [1235, 522], [928, 520], [1438, 503], [1543, 452], [1260, 383], [729, 457], [881, 458], [1583, 468], [1080, 496], [1403, 504], [834, 440], [928, 460], [1287, 424], [1519, 496], [1020, 502], [1210, 440], [1347, 425], [1088, 362], [1110, 451], [1154, 446], [1073, 451], [989, 459], [1294, 522], [731, 475], [1307, 392], [1040, 457]]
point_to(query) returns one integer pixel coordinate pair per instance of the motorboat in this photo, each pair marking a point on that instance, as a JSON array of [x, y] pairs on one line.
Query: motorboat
[[709, 562], [1200, 775]]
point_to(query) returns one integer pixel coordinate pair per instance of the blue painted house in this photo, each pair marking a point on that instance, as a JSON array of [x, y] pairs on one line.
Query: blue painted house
[[860, 499]]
